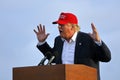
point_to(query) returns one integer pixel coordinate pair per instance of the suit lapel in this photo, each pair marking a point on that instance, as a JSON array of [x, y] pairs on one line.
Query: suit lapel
[[78, 46], [59, 49]]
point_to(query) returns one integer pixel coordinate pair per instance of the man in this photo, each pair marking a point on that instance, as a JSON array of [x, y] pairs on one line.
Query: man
[[72, 45]]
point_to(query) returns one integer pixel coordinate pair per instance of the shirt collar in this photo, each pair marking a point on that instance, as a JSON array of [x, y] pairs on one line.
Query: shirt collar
[[73, 39]]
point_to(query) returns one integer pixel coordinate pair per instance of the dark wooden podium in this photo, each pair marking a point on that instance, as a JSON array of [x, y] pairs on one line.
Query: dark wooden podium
[[55, 72]]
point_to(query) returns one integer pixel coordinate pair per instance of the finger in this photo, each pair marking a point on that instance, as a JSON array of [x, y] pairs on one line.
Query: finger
[[44, 28], [40, 28], [90, 34], [47, 35], [93, 28], [35, 31]]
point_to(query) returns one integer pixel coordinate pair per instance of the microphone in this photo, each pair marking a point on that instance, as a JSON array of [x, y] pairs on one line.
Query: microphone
[[50, 61], [43, 59], [54, 55]]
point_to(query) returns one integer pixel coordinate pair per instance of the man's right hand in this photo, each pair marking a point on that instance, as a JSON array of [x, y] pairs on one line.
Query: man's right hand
[[41, 34]]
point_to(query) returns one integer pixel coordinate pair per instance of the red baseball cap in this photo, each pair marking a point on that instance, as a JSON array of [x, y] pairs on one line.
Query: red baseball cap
[[66, 18]]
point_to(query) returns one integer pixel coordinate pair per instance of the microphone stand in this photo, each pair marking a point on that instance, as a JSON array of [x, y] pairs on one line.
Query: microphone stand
[[42, 61], [50, 60]]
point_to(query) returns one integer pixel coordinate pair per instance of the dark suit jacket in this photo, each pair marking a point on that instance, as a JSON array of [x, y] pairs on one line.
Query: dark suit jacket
[[87, 52]]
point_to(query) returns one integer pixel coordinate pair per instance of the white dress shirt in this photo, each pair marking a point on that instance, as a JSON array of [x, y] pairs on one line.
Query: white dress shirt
[[68, 50]]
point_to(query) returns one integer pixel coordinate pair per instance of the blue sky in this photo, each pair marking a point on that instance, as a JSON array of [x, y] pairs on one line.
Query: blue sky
[[18, 18]]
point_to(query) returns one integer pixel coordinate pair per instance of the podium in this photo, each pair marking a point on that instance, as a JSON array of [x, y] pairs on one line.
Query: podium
[[55, 72]]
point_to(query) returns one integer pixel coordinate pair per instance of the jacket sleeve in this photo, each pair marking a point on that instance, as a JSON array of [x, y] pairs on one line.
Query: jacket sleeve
[[45, 48], [102, 52]]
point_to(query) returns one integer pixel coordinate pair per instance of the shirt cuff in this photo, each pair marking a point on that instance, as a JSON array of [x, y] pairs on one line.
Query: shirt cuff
[[99, 43], [41, 43]]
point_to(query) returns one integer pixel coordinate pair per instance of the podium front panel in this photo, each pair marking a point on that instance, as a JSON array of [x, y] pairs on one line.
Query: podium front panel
[[80, 72], [55, 72]]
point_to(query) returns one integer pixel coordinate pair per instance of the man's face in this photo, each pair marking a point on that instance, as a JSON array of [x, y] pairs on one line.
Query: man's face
[[66, 31]]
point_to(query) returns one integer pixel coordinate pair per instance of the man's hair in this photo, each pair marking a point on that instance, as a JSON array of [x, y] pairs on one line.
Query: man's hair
[[77, 27]]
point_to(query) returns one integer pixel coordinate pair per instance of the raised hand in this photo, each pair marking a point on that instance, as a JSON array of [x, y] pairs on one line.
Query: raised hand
[[41, 34], [94, 33]]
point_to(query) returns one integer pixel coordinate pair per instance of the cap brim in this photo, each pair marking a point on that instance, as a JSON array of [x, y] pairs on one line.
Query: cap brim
[[54, 22], [59, 22]]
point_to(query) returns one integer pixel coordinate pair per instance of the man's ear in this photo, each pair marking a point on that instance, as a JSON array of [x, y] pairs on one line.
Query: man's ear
[[72, 27]]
